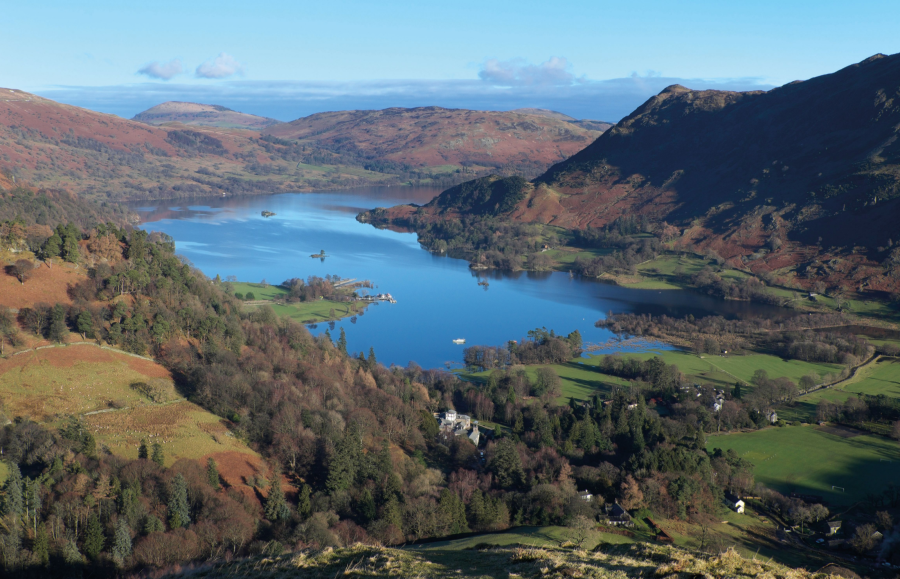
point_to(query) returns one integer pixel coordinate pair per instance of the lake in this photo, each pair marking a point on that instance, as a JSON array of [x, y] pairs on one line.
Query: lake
[[438, 297]]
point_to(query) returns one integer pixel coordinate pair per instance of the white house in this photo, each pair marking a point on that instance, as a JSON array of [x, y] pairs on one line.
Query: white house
[[734, 503], [585, 495]]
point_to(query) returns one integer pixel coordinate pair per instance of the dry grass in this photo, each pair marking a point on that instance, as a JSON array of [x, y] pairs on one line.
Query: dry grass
[[604, 563], [45, 284], [50, 384]]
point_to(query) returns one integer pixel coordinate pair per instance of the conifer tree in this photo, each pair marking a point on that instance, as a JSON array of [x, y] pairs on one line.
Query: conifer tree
[[58, 328], [85, 324], [143, 451], [93, 538], [304, 504], [366, 507], [41, 546], [32, 501], [71, 555], [13, 499], [344, 462], [122, 542], [276, 507], [157, 456], [179, 509], [372, 362], [342, 341], [153, 525], [212, 473]]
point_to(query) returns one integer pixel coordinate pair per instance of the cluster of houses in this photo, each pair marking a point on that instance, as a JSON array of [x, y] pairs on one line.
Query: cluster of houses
[[458, 425]]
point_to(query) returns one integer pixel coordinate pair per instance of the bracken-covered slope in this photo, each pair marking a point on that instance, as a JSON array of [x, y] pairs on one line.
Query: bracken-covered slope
[[806, 175], [433, 136], [202, 116]]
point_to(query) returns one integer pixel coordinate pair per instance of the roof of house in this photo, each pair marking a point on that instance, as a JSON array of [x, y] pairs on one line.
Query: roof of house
[[834, 524], [618, 510], [734, 499]]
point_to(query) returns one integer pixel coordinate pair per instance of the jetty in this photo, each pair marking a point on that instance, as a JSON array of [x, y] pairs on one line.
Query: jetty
[[379, 298]]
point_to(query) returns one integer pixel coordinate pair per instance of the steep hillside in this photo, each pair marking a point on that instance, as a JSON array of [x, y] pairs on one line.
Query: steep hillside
[[805, 175], [435, 136], [202, 116]]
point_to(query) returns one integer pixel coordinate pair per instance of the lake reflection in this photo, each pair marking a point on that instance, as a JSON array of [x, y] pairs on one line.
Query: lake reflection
[[438, 298]]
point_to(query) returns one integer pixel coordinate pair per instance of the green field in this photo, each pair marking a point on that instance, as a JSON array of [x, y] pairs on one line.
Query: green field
[[879, 377], [810, 459], [304, 312], [582, 379]]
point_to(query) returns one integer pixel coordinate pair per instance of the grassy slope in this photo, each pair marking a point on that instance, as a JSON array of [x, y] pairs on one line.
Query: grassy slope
[[611, 561], [881, 377], [305, 312], [49, 384], [808, 459]]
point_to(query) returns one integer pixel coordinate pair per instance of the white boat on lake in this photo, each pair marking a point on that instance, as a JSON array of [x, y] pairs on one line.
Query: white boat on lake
[[459, 341]]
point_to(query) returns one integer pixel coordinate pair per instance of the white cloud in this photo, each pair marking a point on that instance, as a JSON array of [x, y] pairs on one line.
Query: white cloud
[[221, 66], [553, 72], [162, 70]]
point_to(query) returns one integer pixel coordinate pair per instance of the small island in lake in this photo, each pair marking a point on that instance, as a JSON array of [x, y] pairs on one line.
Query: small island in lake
[[267, 213]]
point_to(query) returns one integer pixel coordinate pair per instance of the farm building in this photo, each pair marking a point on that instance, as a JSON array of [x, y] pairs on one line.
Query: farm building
[[734, 503], [619, 517], [832, 527]]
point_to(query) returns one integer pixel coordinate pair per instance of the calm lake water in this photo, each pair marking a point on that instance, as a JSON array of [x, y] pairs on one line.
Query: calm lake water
[[438, 298]]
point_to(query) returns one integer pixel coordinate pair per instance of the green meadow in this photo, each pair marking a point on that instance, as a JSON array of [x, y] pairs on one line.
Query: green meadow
[[816, 460], [879, 377], [582, 378]]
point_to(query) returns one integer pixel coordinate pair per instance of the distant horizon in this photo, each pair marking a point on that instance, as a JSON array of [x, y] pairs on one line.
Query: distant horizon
[[588, 60], [607, 101]]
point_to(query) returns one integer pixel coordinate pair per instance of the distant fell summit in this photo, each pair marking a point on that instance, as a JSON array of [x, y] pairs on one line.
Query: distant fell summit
[[202, 115], [434, 136]]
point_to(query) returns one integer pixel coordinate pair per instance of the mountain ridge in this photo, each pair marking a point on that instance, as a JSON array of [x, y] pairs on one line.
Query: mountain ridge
[[761, 178], [437, 136]]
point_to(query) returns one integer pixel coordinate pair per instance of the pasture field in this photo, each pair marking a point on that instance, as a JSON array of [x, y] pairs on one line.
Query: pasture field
[[581, 377], [879, 377], [813, 459], [727, 369], [83, 380]]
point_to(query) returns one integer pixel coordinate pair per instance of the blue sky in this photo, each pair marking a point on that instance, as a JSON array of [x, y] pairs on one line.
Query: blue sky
[[594, 59]]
